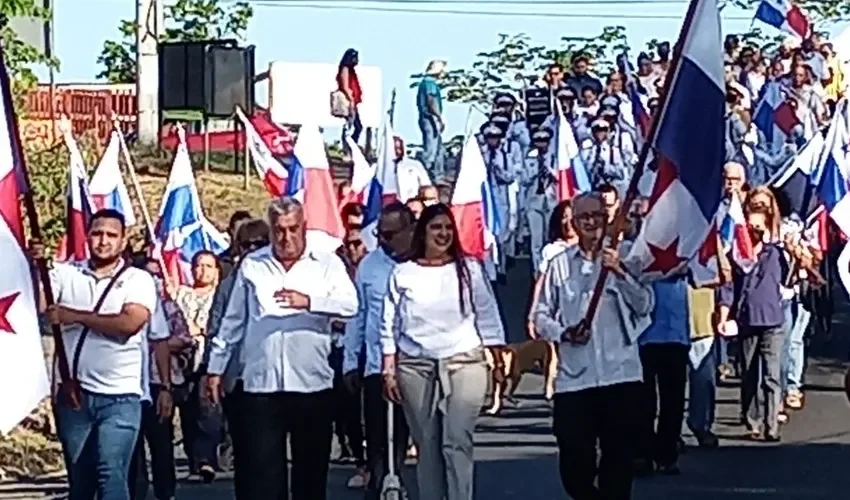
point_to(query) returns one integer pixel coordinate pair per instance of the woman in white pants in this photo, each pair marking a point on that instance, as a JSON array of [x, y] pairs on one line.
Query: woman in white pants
[[439, 316]]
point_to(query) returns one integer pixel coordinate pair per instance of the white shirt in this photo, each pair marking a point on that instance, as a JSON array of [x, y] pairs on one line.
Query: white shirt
[[283, 349], [411, 175], [422, 313], [365, 328], [157, 330], [550, 251], [107, 365], [611, 355]]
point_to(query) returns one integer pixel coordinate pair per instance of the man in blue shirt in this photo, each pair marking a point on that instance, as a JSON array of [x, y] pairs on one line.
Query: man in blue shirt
[[429, 103]]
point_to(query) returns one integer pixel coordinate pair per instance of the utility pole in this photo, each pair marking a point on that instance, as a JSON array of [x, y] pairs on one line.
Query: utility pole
[[150, 24]]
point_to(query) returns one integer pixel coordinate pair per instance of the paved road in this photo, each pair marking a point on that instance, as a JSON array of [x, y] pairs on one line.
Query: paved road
[[516, 453]]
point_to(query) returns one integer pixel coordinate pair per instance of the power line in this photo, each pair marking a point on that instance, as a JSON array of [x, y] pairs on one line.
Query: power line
[[406, 10], [481, 2]]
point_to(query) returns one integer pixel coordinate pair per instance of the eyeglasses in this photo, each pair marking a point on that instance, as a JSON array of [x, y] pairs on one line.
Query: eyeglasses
[[354, 243], [590, 216]]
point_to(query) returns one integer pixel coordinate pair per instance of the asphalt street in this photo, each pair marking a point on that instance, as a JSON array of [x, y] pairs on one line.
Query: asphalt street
[[516, 454]]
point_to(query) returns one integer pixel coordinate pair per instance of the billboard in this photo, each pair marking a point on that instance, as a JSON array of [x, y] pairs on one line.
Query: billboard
[[299, 93]]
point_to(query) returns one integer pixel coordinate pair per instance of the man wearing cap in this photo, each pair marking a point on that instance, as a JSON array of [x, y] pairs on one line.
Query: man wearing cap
[[429, 102], [603, 157], [539, 190], [503, 161], [566, 98], [580, 77], [518, 128]]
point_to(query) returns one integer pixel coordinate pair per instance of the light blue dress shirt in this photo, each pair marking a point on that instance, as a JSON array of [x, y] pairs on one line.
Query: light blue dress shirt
[[671, 314], [365, 328]]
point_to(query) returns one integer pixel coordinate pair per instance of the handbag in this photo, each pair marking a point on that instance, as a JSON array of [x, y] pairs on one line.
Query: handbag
[[69, 392], [340, 105]]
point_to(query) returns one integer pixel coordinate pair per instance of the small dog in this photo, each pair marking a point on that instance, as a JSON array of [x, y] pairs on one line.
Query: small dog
[[518, 359]]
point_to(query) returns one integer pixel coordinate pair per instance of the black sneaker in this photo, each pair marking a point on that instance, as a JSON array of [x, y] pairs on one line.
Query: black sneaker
[[207, 473], [707, 440], [668, 469]]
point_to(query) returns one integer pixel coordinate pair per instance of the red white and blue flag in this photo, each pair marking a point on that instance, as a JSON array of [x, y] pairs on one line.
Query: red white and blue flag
[[362, 175], [183, 230], [79, 205], [735, 236], [23, 372], [310, 182], [784, 15], [572, 173], [107, 186], [833, 176], [473, 204], [774, 116], [269, 168], [383, 188], [689, 152]]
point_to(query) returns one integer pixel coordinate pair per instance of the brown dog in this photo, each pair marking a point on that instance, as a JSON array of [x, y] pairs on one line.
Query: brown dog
[[521, 358]]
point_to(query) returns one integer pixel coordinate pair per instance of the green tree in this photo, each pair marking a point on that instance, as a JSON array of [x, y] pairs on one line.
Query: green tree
[[185, 21], [19, 56], [517, 61]]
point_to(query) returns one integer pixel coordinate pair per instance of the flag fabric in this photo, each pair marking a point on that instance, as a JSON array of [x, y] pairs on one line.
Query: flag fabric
[[79, 205], [774, 116], [572, 174], [107, 186], [271, 171], [23, 372], [310, 182], [473, 204], [733, 229], [638, 111], [183, 230], [688, 153], [383, 187], [784, 15], [362, 175], [834, 169], [798, 181]]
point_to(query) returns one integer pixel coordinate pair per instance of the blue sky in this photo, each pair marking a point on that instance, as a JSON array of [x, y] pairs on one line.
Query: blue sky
[[400, 43]]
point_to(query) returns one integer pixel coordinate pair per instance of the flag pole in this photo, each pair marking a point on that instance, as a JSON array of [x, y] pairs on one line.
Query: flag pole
[[583, 327], [59, 353]]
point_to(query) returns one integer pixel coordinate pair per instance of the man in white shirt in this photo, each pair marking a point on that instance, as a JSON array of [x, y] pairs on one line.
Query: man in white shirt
[[362, 334], [411, 174], [104, 352], [599, 375], [278, 317]]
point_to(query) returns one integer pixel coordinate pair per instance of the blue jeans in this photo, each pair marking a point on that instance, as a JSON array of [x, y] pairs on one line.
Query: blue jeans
[[433, 153], [98, 442], [793, 357], [353, 128], [702, 391]]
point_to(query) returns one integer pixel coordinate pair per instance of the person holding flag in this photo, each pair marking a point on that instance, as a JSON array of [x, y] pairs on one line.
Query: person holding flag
[[538, 184]]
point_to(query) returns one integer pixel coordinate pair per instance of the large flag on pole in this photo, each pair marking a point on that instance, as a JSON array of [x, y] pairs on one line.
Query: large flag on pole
[[383, 187], [271, 171], [23, 373], [107, 187], [689, 153], [79, 205]]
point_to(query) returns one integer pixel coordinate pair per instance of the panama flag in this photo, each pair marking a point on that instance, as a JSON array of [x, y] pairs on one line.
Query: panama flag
[[784, 15], [78, 204], [572, 174], [107, 186], [733, 229], [183, 230], [689, 152], [775, 117], [272, 173], [383, 188], [473, 204], [362, 175], [310, 182], [23, 372]]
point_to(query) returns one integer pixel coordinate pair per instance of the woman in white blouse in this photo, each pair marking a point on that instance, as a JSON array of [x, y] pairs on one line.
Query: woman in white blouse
[[439, 316]]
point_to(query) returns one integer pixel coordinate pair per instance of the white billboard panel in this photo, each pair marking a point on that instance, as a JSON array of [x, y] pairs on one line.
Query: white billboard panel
[[299, 93]]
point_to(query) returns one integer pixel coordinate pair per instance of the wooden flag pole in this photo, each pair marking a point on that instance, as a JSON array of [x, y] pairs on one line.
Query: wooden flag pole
[[74, 393], [580, 332]]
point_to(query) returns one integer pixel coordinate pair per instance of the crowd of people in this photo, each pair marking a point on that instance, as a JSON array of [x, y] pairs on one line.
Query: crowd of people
[[277, 347]]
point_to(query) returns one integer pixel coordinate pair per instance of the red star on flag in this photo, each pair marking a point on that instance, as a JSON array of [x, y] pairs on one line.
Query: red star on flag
[[664, 259], [6, 303]]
